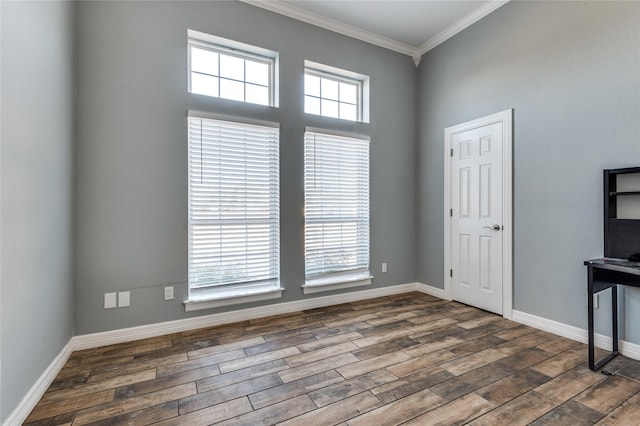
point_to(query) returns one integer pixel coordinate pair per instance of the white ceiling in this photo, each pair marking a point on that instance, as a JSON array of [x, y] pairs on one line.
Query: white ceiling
[[412, 27]]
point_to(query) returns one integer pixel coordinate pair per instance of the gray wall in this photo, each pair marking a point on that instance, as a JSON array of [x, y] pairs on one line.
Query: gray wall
[[570, 72], [36, 175], [131, 149]]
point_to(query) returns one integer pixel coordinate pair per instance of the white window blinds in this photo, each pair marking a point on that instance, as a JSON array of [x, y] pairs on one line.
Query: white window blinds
[[336, 188], [233, 206]]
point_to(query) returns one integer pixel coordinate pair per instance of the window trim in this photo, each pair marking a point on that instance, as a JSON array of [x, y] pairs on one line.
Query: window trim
[[240, 50], [196, 304], [337, 281]]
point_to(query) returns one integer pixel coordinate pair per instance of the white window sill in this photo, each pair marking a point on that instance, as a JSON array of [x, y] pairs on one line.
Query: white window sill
[[217, 299], [336, 283]]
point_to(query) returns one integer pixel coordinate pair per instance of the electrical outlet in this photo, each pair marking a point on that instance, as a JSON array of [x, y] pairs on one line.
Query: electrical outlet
[[384, 267], [168, 293], [109, 300], [124, 299]]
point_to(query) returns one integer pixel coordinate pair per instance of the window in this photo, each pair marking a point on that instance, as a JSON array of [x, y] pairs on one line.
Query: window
[[226, 69], [234, 227], [336, 193], [336, 93]]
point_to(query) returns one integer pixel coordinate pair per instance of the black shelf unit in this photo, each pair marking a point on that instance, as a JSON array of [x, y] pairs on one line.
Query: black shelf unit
[[621, 236]]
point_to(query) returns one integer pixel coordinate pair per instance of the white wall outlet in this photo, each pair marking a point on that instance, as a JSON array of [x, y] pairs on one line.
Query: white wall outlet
[[168, 293], [124, 299], [384, 267], [109, 300], [596, 299]]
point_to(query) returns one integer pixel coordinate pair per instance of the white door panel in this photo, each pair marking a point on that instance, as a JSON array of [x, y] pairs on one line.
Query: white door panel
[[476, 202]]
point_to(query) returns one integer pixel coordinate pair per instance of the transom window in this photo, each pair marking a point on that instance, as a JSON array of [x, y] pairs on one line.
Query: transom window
[[331, 92], [230, 70]]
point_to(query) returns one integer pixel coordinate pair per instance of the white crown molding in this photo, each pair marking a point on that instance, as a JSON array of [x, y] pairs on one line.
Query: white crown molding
[[376, 39], [332, 25], [459, 26]]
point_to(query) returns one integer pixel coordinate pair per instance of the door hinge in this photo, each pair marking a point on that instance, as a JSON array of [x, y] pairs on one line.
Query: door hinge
[[450, 212], [451, 152], [451, 272]]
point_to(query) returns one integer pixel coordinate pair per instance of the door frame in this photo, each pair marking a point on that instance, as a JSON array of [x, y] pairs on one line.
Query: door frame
[[506, 118]]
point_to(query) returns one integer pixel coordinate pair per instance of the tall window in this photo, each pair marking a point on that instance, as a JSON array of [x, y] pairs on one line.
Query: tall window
[[231, 70], [336, 93], [336, 191], [234, 227]]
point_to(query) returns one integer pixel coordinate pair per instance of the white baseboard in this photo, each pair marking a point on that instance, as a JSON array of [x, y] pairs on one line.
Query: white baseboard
[[432, 291], [627, 349], [28, 403], [630, 350], [94, 340]]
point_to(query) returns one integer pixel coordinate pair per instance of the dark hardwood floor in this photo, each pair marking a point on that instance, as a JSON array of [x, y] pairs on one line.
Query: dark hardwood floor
[[405, 359]]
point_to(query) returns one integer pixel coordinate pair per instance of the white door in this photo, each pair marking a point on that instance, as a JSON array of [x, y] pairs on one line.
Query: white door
[[476, 212]]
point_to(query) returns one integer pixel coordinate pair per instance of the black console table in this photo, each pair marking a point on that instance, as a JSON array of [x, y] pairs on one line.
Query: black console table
[[603, 274], [621, 239]]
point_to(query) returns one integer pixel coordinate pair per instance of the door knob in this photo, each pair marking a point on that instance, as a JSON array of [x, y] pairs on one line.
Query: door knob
[[495, 227]]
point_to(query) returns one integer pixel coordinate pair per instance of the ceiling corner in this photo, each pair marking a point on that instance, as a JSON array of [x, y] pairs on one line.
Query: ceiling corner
[[459, 26]]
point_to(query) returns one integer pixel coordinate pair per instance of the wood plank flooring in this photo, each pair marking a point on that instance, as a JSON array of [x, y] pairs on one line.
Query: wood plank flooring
[[406, 359]]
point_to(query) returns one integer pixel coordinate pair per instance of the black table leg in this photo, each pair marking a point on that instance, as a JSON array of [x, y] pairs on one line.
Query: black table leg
[[590, 293], [614, 318], [593, 365]]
